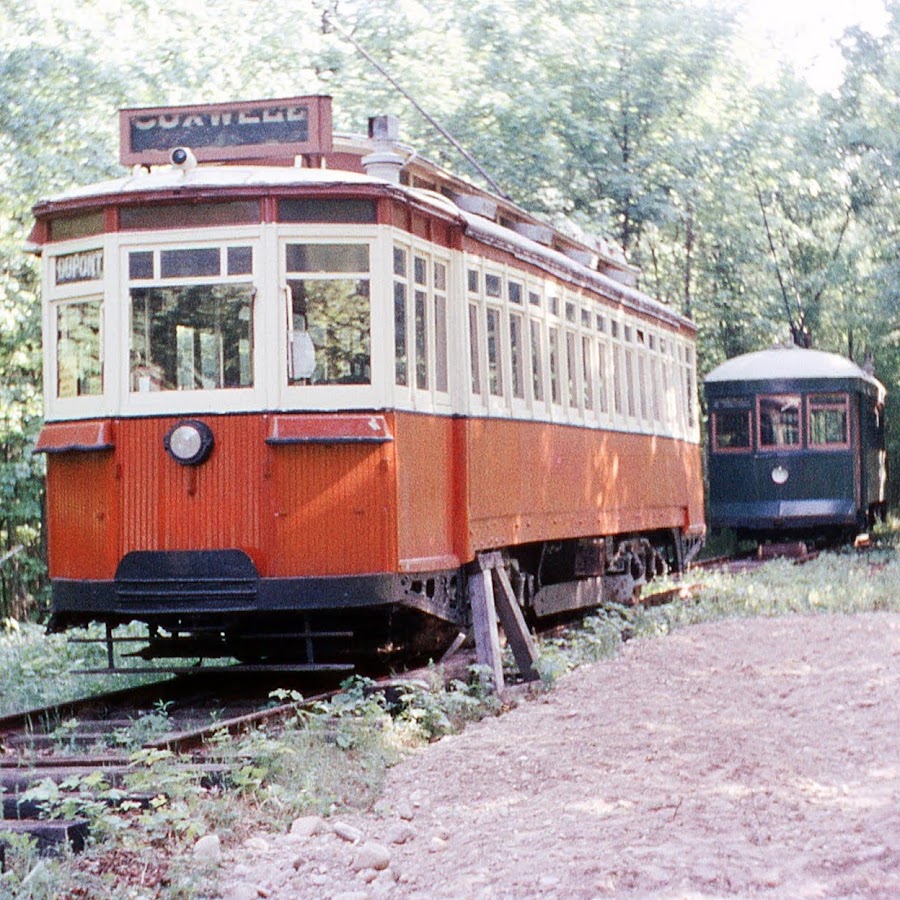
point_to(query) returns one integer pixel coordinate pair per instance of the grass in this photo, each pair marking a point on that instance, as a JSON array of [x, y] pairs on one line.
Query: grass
[[38, 668], [334, 758]]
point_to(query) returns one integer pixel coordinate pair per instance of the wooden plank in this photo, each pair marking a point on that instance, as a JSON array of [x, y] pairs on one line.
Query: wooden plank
[[514, 627], [484, 622]]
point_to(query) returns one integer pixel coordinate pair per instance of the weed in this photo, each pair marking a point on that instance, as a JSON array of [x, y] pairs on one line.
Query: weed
[[147, 727]]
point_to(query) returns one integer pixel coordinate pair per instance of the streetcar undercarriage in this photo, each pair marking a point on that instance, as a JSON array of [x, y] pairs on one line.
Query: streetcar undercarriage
[[211, 604]]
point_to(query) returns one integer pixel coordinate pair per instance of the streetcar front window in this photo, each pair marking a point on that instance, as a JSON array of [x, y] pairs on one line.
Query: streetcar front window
[[197, 337], [191, 318], [329, 314], [79, 366], [779, 421], [731, 430], [828, 420]]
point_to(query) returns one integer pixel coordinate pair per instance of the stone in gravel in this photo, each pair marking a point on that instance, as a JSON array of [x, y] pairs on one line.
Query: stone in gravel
[[400, 833], [405, 811], [257, 845], [240, 892], [436, 845], [347, 832], [208, 850], [371, 855], [307, 826]]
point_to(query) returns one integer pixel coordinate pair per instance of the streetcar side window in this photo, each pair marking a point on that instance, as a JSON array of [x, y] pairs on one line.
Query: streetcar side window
[[420, 310], [329, 314], [602, 385], [79, 361], [517, 354], [572, 368], [401, 292], [537, 360], [191, 319], [828, 421], [441, 362], [495, 352], [555, 396], [475, 348], [421, 355], [587, 373], [655, 384]]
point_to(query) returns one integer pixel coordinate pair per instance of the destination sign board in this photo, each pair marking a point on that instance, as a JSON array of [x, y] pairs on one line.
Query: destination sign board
[[75, 267], [227, 132]]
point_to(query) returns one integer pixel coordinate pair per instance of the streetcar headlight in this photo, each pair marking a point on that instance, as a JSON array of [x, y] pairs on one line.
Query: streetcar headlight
[[189, 442], [779, 474]]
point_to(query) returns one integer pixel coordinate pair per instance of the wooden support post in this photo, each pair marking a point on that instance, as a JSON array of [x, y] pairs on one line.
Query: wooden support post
[[514, 627], [484, 621], [486, 607]]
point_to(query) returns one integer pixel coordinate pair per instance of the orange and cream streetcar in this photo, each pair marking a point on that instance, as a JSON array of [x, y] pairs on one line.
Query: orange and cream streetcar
[[297, 384]]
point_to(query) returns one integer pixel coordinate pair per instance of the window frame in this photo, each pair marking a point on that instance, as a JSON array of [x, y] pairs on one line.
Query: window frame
[[747, 409], [96, 298], [157, 280], [53, 296], [812, 404], [381, 362], [781, 447]]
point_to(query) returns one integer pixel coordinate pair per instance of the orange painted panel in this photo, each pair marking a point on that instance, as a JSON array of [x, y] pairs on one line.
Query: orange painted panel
[[333, 508], [217, 505], [428, 470], [532, 481], [82, 514]]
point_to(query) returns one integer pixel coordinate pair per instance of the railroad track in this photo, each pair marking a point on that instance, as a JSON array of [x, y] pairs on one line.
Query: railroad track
[[99, 735]]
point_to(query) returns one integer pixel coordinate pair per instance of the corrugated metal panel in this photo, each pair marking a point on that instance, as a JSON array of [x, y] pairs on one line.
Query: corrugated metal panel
[[216, 505], [81, 515], [426, 476], [334, 508], [306, 509], [534, 481]]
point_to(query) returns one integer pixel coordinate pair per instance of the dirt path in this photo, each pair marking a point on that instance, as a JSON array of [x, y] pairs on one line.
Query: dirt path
[[745, 758]]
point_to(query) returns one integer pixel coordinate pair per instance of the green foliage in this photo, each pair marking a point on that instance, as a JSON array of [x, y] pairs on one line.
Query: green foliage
[[39, 668]]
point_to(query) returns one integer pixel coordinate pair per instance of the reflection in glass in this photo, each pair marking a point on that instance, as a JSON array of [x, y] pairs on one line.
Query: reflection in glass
[[335, 314], [401, 354], [79, 369], [779, 421], [421, 340], [474, 348], [731, 428], [537, 361], [495, 364], [440, 343], [517, 355], [828, 420], [198, 337], [554, 366]]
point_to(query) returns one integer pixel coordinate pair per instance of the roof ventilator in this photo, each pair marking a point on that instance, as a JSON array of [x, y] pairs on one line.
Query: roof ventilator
[[385, 162]]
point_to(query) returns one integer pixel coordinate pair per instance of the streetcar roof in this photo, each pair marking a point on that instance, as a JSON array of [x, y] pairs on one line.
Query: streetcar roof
[[788, 364], [230, 176]]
